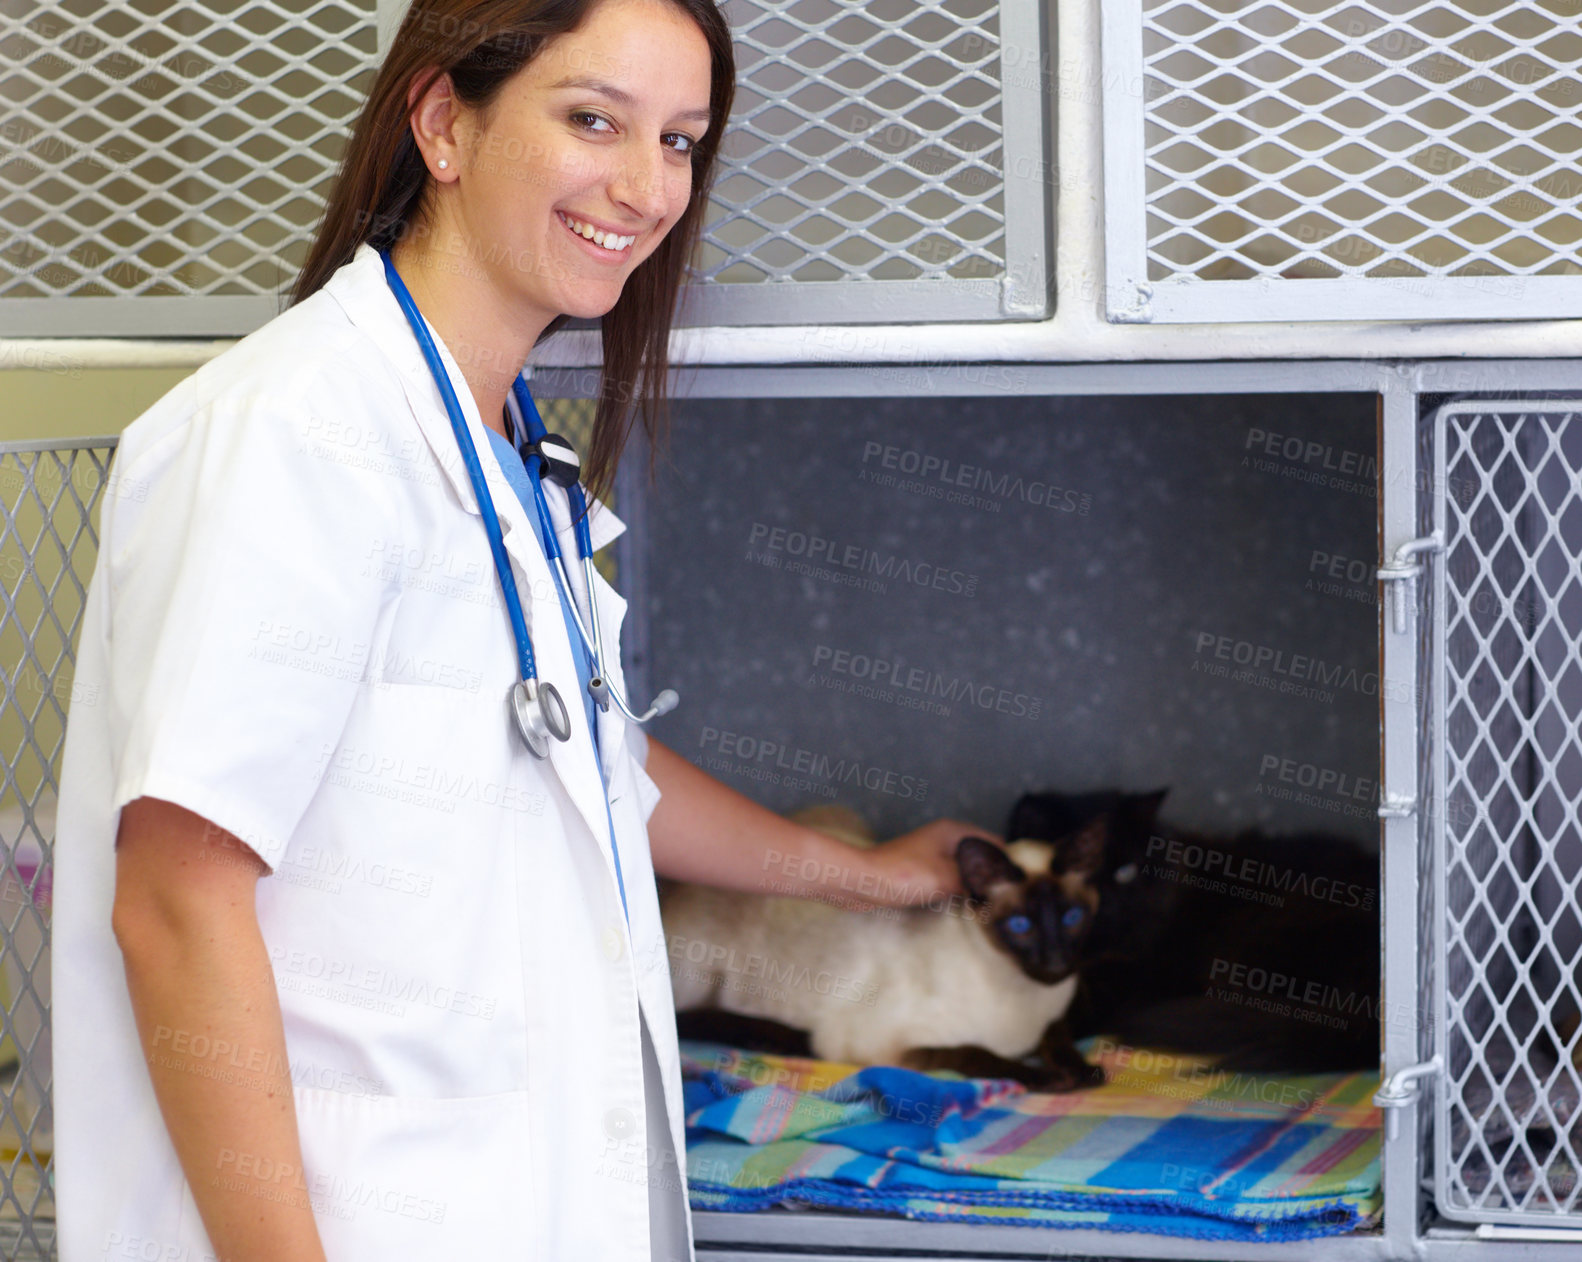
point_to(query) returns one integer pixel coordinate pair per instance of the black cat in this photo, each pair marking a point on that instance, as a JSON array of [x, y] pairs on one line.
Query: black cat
[[1261, 950]]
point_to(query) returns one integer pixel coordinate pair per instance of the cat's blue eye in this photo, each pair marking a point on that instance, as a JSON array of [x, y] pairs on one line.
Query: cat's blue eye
[[1018, 923], [1072, 918]]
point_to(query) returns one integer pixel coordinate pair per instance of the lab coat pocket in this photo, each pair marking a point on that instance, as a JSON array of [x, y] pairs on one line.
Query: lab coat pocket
[[399, 1179]]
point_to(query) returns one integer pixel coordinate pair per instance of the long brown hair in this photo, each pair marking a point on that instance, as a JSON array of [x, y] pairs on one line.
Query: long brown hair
[[379, 193]]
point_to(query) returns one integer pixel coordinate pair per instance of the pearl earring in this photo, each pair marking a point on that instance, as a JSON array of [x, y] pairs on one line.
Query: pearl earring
[[443, 164]]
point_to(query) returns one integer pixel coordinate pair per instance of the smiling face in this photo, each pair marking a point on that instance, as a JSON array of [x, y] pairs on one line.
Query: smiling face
[[582, 164]]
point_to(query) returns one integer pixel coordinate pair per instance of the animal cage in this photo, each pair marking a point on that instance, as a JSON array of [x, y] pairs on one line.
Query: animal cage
[[1473, 625]]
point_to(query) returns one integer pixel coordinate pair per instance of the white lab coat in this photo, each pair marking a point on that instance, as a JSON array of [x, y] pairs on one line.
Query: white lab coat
[[294, 629]]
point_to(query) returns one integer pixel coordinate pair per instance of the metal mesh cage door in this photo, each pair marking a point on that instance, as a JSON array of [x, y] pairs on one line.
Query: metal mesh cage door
[[49, 493], [884, 162], [165, 163], [1385, 159], [1508, 754]]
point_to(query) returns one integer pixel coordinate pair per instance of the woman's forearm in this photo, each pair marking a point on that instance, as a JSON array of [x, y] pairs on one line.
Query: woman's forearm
[[706, 832], [211, 1033], [208, 1017]]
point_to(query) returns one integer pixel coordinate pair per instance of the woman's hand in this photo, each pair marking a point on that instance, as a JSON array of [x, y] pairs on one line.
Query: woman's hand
[[919, 867], [704, 832]]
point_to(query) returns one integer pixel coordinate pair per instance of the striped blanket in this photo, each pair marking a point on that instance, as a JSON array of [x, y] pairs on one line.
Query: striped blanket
[[1169, 1145]]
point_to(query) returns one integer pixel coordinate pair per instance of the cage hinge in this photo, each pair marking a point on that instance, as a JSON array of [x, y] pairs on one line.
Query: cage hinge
[[1402, 569], [1400, 1089], [1398, 806], [1133, 308]]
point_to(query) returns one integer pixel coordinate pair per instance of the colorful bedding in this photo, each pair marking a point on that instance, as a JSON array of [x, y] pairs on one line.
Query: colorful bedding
[[1169, 1145]]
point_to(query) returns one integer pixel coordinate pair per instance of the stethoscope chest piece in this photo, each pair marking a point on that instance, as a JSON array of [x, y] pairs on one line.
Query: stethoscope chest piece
[[540, 714]]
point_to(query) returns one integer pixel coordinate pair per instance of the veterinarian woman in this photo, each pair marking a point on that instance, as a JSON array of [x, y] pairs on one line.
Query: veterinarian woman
[[345, 967]]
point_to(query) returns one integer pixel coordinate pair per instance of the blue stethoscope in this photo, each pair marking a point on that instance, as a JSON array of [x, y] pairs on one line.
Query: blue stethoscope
[[535, 704]]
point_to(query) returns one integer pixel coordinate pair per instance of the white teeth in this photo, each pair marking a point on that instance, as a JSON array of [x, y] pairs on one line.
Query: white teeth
[[607, 240]]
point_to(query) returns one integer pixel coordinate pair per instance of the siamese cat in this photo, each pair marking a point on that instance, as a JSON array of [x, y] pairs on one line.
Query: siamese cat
[[1260, 951], [973, 990]]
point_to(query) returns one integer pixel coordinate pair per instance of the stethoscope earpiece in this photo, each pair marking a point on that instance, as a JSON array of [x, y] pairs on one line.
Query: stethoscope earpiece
[[664, 703]]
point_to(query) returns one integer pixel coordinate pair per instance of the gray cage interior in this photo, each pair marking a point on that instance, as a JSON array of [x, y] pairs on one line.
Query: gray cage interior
[[1080, 606]]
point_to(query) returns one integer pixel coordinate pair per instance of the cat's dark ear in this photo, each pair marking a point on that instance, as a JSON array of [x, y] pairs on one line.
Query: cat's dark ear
[[985, 866], [1083, 852], [1034, 816], [1143, 808]]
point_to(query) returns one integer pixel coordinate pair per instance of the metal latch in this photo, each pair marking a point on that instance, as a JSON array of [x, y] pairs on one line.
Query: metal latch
[[1401, 1089], [1400, 569], [1397, 806]]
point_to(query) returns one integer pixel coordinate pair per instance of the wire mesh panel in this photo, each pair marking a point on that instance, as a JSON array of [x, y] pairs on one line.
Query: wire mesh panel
[[163, 162], [48, 544], [1325, 161], [1508, 1119], [884, 161], [175, 153]]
